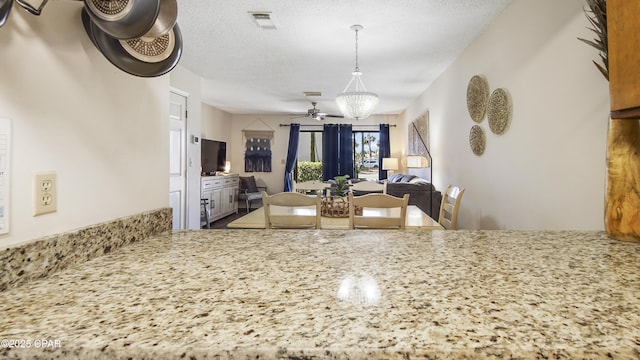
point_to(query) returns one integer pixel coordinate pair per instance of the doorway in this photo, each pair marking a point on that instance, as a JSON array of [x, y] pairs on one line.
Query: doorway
[[177, 159]]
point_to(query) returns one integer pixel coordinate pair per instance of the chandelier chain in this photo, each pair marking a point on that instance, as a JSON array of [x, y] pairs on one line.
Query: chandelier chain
[[357, 67]]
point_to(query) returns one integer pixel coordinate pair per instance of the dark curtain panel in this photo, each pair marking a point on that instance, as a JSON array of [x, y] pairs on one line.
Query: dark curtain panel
[[330, 146], [385, 150], [292, 155], [345, 158]]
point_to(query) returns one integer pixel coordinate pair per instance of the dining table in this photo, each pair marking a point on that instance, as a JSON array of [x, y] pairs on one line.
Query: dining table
[[415, 218], [313, 186]]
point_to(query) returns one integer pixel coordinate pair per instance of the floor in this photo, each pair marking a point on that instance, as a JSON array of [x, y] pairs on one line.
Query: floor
[[222, 223]]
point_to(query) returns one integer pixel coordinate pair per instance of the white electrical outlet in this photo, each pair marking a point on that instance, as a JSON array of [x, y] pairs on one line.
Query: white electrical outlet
[[45, 199]]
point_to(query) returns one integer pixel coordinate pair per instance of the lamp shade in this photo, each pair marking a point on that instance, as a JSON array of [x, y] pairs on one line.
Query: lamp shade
[[389, 163], [417, 161]]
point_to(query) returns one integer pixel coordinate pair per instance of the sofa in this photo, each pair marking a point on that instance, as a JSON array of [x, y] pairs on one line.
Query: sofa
[[421, 192]]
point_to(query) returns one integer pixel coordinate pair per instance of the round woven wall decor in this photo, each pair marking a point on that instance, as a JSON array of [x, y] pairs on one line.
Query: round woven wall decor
[[477, 97], [499, 111], [477, 140]]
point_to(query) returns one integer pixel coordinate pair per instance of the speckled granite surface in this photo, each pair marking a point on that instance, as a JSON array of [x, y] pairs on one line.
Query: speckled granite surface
[[37, 259], [315, 294]]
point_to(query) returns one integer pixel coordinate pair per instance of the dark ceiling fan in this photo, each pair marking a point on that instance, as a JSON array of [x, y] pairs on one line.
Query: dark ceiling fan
[[314, 113]]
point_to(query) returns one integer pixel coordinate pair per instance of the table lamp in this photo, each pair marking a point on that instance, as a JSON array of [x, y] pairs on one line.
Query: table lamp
[[390, 164]]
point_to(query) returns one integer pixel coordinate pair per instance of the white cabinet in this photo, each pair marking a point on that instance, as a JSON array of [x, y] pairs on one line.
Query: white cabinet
[[215, 207], [229, 193], [220, 193]]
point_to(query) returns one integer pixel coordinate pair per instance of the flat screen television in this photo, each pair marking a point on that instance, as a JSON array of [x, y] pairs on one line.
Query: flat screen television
[[213, 156]]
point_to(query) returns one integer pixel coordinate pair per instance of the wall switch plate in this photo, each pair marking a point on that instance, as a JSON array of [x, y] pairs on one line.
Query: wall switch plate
[[45, 198]]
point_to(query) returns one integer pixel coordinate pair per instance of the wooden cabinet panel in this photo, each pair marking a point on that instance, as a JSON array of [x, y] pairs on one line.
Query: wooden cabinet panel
[[623, 27]]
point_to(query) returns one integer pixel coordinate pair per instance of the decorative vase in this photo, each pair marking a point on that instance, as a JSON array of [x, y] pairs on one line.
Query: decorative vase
[[622, 198]]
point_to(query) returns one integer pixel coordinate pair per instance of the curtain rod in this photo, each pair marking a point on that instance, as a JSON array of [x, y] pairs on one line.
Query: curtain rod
[[320, 125]]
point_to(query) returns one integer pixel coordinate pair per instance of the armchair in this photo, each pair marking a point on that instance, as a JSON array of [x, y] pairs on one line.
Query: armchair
[[249, 191]]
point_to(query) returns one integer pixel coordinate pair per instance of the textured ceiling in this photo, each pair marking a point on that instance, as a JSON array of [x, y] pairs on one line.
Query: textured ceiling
[[404, 46]]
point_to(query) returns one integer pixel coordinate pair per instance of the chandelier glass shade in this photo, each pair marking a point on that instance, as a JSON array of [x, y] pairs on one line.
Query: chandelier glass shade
[[355, 102]]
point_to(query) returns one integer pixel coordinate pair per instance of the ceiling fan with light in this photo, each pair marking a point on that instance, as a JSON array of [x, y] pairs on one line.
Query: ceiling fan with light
[[314, 113]]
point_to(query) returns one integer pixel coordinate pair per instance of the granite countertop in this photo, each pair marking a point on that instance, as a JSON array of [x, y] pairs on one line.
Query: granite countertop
[[336, 294]]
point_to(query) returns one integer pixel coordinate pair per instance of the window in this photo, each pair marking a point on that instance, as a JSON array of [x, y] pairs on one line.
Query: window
[[310, 146], [365, 155], [309, 165]]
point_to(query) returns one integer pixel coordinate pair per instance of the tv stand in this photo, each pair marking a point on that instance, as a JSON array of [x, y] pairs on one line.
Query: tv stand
[[221, 193]]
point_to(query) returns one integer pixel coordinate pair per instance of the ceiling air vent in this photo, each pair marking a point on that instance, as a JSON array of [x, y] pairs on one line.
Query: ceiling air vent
[[312, 93], [263, 19]]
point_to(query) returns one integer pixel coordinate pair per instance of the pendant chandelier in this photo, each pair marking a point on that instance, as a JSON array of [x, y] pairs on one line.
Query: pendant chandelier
[[355, 102]]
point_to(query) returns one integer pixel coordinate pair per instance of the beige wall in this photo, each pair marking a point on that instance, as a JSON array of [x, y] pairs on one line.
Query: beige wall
[[104, 132], [548, 170], [217, 124]]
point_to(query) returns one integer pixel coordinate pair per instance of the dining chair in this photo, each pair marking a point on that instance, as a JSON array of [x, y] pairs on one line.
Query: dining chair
[[291, 210], [449, 207], [384, 202], [249, 190]]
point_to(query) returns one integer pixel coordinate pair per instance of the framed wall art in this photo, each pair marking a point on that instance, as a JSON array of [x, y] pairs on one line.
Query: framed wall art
[[257, 153], [419, 136]]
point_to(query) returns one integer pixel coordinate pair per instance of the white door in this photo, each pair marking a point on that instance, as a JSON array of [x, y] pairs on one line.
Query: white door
[[177, 158]]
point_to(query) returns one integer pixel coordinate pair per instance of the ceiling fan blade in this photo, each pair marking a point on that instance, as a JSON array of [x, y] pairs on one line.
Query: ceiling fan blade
[[315, 114]]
